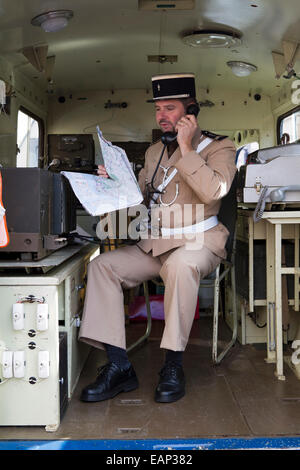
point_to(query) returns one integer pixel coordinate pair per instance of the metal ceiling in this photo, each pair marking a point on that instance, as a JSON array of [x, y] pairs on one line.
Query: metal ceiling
[[107, 43]]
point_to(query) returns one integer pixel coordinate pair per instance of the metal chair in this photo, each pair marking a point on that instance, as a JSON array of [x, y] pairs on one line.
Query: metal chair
[[144, 337], [227, 215]]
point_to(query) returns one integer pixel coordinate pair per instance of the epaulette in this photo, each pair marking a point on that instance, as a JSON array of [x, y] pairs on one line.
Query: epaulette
[[213, 136]]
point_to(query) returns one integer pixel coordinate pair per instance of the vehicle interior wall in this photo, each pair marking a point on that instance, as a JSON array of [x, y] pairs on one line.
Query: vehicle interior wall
[[232, 111], [284, 100], [115, 45], [21, 92]]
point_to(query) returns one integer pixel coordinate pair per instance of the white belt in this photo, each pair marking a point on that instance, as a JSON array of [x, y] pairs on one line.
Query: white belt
[[195, 228]]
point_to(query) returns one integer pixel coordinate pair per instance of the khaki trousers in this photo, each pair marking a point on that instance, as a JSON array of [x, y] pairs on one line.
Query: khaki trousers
[[181, 269]]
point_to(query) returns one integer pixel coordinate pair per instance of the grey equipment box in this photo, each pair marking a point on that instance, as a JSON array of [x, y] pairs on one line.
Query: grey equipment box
[[40, 207], [38, 335]]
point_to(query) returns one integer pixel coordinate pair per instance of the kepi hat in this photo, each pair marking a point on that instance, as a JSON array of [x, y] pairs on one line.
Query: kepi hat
[[173, 86]]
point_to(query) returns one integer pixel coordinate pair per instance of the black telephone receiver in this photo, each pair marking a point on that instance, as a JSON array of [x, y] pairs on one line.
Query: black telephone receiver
[[169, 137]]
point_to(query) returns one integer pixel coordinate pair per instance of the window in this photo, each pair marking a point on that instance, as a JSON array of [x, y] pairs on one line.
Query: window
[[29, 139], [288, 127]]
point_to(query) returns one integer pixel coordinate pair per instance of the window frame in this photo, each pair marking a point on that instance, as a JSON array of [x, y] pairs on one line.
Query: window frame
[[41, 126], [282, 117]]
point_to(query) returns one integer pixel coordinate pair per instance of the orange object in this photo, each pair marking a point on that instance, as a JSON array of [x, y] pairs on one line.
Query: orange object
[[4, 237]]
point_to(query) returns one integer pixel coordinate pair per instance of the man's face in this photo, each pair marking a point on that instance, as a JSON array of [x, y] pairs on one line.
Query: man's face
[[168, 113]]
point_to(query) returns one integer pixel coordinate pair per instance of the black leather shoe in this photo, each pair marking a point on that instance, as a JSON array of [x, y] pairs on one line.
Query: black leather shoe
[[110, 381], [171, 386]]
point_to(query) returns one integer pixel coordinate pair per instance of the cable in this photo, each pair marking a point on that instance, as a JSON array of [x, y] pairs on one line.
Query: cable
[[260, 206], [102, 243], [156, 169], [91, 239]]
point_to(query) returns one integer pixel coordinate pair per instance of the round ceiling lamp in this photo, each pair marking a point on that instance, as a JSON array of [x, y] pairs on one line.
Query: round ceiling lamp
[[53, 21], [211, 39], [241, 69]]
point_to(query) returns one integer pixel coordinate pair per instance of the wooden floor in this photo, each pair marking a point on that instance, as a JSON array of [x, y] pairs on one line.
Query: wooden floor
[[239, 398]]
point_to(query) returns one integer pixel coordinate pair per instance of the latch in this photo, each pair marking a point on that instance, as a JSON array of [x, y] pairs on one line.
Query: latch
[[258, 186]]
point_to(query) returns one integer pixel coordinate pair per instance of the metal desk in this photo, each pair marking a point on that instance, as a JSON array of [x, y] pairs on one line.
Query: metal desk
[[275, 270]]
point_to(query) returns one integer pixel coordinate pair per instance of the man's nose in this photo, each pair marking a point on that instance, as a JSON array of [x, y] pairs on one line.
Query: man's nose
[[161, 115]]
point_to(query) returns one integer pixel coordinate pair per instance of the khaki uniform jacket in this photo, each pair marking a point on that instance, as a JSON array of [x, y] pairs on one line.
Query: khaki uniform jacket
[[202, 180]]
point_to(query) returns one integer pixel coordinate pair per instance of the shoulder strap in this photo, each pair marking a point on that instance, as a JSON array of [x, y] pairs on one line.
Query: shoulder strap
[[213, 136], [204, 143]]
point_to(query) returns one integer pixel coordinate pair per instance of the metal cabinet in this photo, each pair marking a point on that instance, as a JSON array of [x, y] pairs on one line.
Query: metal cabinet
[[40, 356]]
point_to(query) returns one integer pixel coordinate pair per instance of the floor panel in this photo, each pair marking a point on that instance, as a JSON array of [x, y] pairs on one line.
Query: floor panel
[[239, 398]]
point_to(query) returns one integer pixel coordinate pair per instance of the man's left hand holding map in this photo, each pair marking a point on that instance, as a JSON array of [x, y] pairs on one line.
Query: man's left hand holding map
[[102, 195]]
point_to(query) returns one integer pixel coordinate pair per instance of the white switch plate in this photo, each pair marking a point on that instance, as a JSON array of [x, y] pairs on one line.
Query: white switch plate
[[44, 364], [42, 322], [19, 364], [18, 317], [7, 364]]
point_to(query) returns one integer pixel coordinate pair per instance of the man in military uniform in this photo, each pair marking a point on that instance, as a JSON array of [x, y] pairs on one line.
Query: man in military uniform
[[195, 170]]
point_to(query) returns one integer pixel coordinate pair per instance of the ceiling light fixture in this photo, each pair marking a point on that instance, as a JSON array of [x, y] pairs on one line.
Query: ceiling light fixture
[[210, 39], [52, 21], [241, 69]]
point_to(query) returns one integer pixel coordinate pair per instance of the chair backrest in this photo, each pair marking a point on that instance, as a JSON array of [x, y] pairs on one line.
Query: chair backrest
[[228, 214]]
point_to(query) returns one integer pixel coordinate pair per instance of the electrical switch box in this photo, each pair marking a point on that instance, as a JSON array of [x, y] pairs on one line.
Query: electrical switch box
[[18, 316], [19, 364], [40, 365], [7, 364], [42, 317], [44, 364]]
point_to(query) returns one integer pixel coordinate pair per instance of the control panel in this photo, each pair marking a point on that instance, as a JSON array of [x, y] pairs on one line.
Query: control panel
[[71, 152], [29, 356]]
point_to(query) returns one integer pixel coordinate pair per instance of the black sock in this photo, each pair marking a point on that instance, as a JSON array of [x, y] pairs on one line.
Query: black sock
[[118, 356], [174, 356]]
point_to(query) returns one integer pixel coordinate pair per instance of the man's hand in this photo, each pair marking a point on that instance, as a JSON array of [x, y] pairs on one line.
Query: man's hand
[[186, 128], [101, 171]]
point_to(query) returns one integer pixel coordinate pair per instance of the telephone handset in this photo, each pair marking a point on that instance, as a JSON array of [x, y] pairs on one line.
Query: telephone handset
[[278, 195], [169, 137]]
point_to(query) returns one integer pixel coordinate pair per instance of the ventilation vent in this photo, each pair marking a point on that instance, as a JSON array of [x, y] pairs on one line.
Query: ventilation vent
[[166, 4], [163, 59]]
